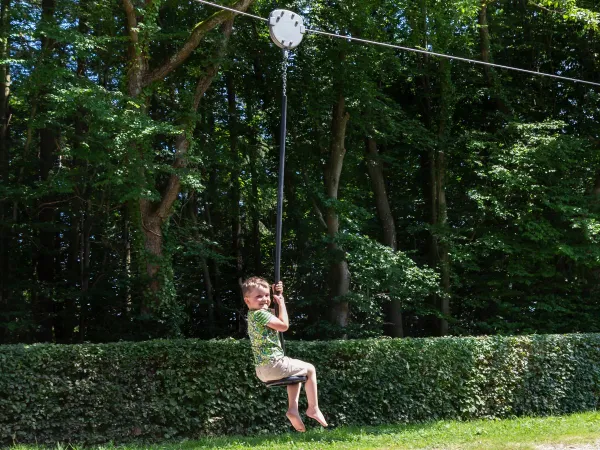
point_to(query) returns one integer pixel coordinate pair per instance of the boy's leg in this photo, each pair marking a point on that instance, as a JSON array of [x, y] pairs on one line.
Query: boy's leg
[[312, 395], [293, 391]]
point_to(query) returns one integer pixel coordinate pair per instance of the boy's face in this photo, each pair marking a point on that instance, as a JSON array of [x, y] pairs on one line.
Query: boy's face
[[258, 298]]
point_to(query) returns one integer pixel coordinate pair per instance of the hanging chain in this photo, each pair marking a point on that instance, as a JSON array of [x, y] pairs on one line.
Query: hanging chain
[[284, 66]]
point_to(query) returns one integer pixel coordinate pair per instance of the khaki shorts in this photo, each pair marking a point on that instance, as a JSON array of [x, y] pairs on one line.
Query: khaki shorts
[[281, 368]]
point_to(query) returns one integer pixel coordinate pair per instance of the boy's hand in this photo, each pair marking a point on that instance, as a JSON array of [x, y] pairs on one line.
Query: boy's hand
[[281, 322], [278, 288], [278, 293]]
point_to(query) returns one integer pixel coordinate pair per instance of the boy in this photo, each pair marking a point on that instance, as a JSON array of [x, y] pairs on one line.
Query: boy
[[269, 360]]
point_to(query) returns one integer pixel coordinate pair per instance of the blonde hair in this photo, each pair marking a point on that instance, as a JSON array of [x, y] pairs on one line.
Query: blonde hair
[[252, 283]]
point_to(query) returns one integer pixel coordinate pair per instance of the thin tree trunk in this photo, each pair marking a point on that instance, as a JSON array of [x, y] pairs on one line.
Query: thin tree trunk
[[67, 320], [235, 189], [256, 247], [215, 307], [213, 224], [253, 201], [193, 214], [486, 55], [442, 259], [339, 274], [73, 268], [394, 327], [484, 41], [127, 299], [428, 182], [210, 193], [45, 261], [442, 246], [5, 210], [375, 169], [84, 267], [596, 189], [433, 175]]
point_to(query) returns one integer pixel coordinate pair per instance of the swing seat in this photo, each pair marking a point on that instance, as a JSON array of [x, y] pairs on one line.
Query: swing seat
[[286, 381]]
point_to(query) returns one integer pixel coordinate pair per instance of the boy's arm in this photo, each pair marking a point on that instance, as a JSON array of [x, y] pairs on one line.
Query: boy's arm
[[282, 322]]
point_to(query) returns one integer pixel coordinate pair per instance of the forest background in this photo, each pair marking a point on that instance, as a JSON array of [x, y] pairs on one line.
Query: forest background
[[138, 169]]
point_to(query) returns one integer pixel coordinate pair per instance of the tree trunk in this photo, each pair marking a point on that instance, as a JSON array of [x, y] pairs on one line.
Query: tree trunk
[[235, 190], [67, 319], [596, 189], [84, 266], [254, 199], [45, 262], [486, 55], [440, 224], [433, 176], [339, 274], [375, 169], [126, 263], [193, 214], [213, 223], [153, 215], [212, 270], [442, 246], [5, 210], [256, 247], [433, 164], [67, 324], [153, 248], [216, 305], [393, 311], [484, 41]]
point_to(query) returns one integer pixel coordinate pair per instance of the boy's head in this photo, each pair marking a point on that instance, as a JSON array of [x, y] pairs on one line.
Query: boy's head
[[256, 292]]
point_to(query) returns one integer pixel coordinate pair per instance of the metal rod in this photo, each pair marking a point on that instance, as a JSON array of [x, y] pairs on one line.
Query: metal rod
[[282, 136]]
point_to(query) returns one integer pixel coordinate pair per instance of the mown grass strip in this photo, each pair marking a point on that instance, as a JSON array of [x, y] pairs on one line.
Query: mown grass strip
[[520, 433]]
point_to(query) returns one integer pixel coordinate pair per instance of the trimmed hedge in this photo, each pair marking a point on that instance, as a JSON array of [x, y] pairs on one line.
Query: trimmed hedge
[[166, 389]]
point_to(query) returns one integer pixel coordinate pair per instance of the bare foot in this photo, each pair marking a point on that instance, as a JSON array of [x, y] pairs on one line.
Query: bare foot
[[315, 413], [296, 420]]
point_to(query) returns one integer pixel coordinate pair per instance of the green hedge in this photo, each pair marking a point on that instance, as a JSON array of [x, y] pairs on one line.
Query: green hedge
[[167, 389]]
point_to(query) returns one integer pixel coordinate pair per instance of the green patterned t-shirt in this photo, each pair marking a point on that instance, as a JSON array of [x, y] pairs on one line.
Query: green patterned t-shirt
[[264, 340]]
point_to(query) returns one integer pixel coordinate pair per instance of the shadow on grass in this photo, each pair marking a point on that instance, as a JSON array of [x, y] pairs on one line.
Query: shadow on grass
[[510, 433], [313, 437]]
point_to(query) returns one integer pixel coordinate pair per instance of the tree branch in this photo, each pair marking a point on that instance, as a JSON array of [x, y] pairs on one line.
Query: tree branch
[[205, 82], [131, 20], [318, 213], [316, 208], [182, 144], [537, 5], [190, 45]]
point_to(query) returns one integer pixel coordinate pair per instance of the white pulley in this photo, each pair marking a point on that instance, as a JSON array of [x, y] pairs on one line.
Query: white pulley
[[286, 28]]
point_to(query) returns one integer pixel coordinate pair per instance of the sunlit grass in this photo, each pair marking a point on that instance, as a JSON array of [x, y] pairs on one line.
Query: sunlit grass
[[519, 433]]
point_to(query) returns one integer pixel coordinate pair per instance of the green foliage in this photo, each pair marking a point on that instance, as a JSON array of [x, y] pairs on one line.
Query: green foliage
[[520, 169], [570, 11], [188, 388], [381, 275], [535, 230]]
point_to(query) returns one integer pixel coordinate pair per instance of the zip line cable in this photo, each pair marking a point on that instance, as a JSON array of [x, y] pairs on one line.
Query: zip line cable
[[232, 10], [458, 58], [415, 50]]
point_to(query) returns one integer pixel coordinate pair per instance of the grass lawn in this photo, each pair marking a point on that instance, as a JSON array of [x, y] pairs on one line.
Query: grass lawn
[[577, 431]]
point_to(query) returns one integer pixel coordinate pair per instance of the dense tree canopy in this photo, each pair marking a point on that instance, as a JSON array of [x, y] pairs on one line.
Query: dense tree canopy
[[424, 196]]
